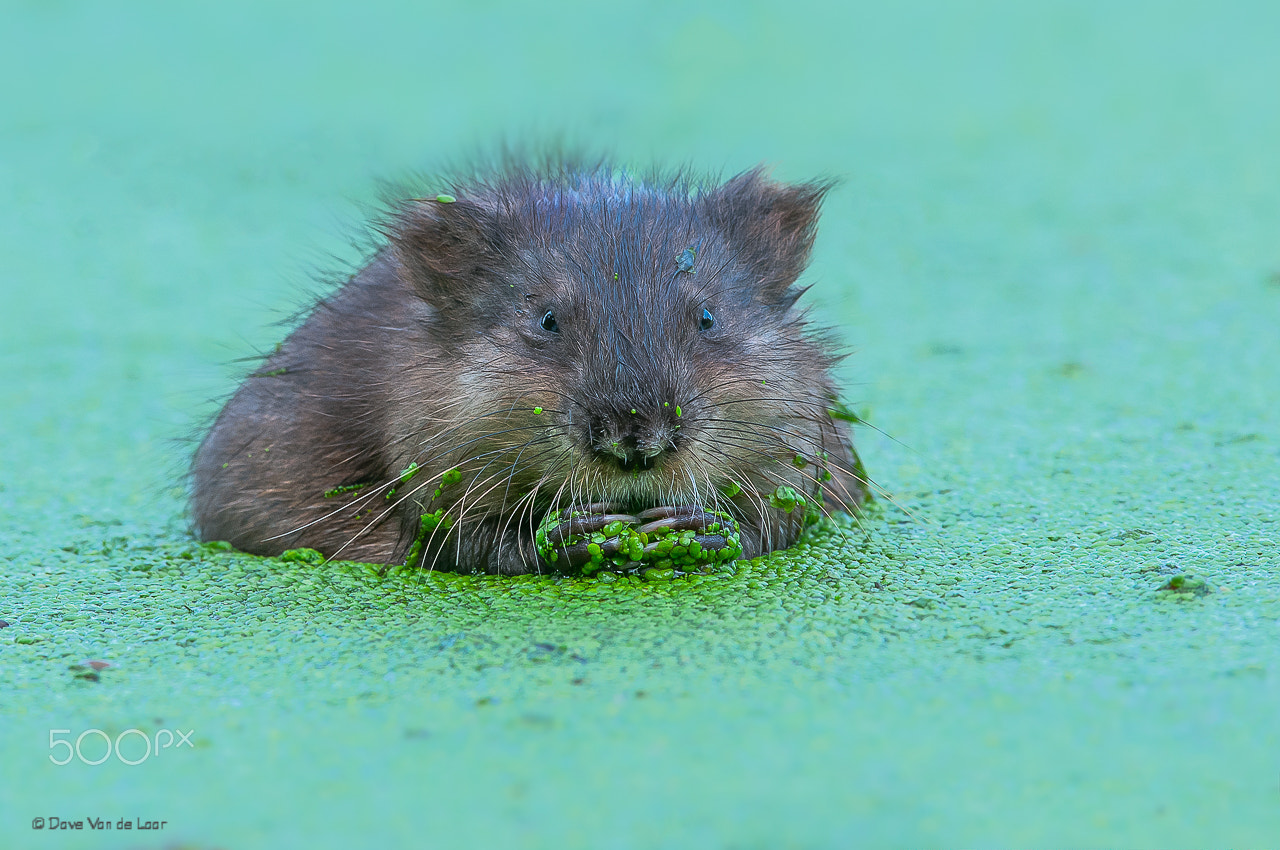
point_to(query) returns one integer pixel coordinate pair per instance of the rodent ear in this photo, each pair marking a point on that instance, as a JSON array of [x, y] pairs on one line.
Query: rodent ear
[[770, 225], [449, 248]]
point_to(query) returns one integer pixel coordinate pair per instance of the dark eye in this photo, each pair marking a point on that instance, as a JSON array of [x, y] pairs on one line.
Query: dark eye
[[708, 320], [548, 323]]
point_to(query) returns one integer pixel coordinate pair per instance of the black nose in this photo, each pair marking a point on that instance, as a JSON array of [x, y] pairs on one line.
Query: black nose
[[630, 449], [627, 455]]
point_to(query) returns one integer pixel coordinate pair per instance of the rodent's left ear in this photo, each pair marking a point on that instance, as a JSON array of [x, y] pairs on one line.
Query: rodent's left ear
[[449, 248], [771, 225]]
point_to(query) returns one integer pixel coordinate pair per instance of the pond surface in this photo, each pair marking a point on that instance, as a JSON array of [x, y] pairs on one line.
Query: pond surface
[[1055, 255]]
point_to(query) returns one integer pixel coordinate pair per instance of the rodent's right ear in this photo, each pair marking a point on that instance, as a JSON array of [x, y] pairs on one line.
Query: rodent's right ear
[[447, 248]]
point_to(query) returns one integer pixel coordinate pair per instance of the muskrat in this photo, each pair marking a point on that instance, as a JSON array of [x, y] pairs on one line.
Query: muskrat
[[545, 336]]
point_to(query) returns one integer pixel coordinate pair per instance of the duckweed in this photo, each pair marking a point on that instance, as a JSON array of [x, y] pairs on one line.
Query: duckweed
[[303, 556], [662, 549], [428, 523], [345, 488], [786, 499]]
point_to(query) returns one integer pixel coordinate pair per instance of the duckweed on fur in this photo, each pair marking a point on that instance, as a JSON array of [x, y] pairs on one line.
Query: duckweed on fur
[[426, 525]]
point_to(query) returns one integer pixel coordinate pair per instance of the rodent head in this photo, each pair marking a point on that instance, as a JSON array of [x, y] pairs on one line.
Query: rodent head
[[630, 341]]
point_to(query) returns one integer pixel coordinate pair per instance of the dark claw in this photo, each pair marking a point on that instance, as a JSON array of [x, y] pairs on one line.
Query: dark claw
[[578, 555], [575, 555], [595, 522], [689, 519], [664, 511], [593, 517], [593, 508], [714, 542], [611, 546], [584, 525]]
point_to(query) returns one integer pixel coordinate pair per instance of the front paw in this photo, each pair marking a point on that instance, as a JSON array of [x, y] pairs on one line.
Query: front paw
[[588, 538], [598, 536]]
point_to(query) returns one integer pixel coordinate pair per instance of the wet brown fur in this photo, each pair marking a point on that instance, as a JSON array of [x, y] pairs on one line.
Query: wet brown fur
[[435, 353]]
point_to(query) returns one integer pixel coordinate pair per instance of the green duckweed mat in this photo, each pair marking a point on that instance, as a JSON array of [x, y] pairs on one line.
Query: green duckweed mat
[[1056, 254]]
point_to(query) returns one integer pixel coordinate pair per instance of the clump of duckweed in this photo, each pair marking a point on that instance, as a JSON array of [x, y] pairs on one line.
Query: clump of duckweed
[[840, 410], [406, 475], [426, 525], [1188, 585], [217, 546], [786, 499], [345, 488], [630, 544], [303, 556], [450, 476]]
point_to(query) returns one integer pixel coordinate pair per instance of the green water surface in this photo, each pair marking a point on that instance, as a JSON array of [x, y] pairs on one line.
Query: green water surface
[[1055, 255]]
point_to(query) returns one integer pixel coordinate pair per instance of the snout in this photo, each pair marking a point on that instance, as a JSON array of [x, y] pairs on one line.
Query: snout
[[633, 440]]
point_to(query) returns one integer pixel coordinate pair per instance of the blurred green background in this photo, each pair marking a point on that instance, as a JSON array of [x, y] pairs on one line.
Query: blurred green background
[[1055, 253]]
